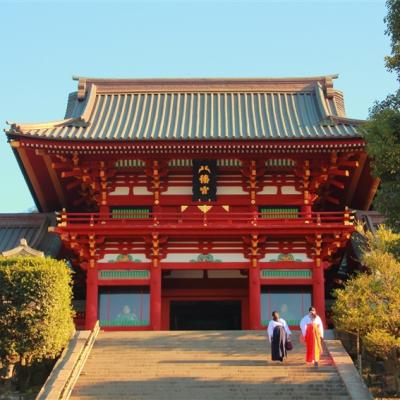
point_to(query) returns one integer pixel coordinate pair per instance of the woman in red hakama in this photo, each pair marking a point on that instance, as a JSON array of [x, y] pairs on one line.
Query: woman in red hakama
[[312, 331], [313, 344]]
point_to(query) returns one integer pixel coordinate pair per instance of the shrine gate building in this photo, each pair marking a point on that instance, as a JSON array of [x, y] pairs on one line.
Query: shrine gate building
[[199, 203]]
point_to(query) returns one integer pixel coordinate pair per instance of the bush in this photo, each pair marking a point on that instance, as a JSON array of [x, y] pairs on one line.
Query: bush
[[369, 304], [36, 317]]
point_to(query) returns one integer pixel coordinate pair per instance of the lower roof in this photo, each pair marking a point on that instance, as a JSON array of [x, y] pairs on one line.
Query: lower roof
[[32, 227]]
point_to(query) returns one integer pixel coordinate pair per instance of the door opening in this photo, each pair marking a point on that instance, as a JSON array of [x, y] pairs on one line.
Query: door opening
[[205, 315]]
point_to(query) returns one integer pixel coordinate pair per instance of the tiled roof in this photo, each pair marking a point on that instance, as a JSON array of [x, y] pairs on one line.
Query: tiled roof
[[33, 228], [370, 219], [292, 108]]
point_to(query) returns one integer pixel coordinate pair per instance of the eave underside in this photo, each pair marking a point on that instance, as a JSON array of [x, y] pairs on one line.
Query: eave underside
[[38, 158]]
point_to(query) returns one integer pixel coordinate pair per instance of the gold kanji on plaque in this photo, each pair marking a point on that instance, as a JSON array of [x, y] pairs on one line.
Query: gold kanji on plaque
[[204, 179]]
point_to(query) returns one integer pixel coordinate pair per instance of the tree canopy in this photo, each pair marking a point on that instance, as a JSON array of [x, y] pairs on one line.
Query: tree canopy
[[369, 304], [382, 131], [393, 31], [36, 317]]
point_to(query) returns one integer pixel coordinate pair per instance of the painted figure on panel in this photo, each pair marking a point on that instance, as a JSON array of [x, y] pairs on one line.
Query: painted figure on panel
[[126, 314]]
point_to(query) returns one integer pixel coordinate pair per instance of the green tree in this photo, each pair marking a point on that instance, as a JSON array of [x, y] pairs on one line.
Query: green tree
[[36, 317], [369, 304], [393, 31], [382, 132], [382, 135], [352, 309]]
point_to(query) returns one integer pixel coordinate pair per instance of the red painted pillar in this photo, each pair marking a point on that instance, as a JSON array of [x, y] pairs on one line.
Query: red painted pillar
[[155, 296], [254, 296], [91, 298], [319, 290]]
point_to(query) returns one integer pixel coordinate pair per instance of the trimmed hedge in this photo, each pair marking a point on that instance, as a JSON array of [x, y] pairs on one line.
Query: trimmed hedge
[[36, 316]]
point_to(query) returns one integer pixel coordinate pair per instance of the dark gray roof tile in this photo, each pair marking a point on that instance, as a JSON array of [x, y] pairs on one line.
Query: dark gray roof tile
[[33, 228]]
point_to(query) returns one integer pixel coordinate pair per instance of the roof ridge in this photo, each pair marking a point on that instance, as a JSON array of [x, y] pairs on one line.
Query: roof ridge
[[210, 79], [278, 84]]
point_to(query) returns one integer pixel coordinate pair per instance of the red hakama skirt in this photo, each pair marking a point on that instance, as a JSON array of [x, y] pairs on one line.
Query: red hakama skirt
[[313, 343]]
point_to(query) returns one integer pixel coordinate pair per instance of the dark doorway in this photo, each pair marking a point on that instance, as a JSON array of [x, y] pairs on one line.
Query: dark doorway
[[205, 315]]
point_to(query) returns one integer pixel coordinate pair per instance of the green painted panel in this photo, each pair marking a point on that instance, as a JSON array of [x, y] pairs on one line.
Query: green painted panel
[[279, 162], [124, 274], [129, 163], [286, 273], [130, 212], [279, 212]]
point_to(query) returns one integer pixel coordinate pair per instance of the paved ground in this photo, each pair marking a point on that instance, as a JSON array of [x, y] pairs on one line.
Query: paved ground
[[206, 365]]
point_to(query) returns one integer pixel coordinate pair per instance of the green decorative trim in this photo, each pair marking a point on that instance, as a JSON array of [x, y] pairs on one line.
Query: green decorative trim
[[129, 164], [279, 212], [118, 322], [205, 258], [130, 212], [231, 162], [280, 162], [124, 274], [286, 273], [285, 257], [180, 163], [290, 322]]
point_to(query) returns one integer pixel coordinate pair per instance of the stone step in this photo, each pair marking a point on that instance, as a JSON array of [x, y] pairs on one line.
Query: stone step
[[201, 366]]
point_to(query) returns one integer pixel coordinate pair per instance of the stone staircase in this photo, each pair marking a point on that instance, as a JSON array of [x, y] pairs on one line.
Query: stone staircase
[[201, 365]]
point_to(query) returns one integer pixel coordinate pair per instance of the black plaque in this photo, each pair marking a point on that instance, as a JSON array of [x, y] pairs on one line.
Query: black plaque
[[204, 180]]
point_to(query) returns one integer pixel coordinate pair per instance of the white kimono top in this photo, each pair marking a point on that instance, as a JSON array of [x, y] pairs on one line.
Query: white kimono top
[[272, 324], [307, 320]]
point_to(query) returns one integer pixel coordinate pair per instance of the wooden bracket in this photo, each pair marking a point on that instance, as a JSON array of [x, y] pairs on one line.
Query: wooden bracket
[[252, 177]]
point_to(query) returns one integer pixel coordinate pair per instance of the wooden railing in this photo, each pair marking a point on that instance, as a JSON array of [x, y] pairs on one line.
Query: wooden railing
[[212, 219]]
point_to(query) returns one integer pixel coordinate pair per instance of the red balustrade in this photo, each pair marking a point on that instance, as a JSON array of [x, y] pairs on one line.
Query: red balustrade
[[219, 220]]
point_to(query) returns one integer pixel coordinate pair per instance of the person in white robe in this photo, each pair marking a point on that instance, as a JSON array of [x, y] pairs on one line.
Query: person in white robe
[[280, 322], [278, 334], [312, 331], [312, 318]]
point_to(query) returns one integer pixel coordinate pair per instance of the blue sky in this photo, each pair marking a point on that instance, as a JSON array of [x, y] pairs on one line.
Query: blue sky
[[45, 43]]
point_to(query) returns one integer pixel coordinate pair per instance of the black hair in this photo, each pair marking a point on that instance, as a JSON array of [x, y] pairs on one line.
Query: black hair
[[275, 315], [311, 308]]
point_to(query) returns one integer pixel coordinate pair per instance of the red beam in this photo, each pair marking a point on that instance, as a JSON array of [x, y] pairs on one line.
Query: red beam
[[123, 265], [204, 265], [333, 200], [123, 282], [336, 183], [286, 265], [355, 179], [274, 282]]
